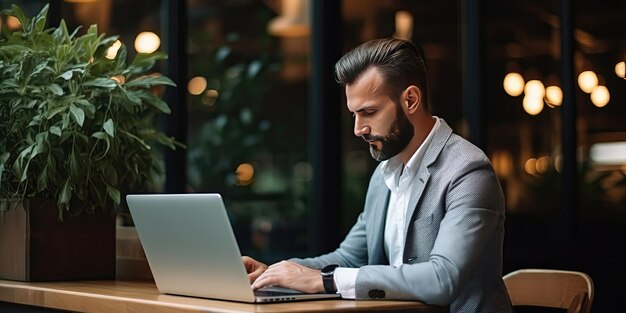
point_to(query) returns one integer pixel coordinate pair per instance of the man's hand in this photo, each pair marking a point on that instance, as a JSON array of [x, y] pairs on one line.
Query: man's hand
[[291, 275], [253, 267]]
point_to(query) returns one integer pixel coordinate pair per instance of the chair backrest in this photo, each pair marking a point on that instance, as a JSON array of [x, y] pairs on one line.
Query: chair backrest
[[550, 288]]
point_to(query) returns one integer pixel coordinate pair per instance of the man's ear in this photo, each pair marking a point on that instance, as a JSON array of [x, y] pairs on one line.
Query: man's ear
[[413, 98]]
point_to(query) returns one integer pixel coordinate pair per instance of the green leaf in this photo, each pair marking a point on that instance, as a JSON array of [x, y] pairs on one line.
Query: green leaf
[[90, 109], [104, 45], [65, 122], [156, 102], [149, 81], [3, 160], [17, 12], [93, 30], [132, 95], [55, 89], [145, 61], [4, 157], [40, 19], [67, 75], [61, 34], [42, 180], [50, 114], [40, 67], [75, 166], [114, 194], [101, 83], [19, 167], [56, 130], [73, 34], [109, 128], [78, 114], [99, 135], [136, 138], [102, 136], [65, 194], [9, 83]]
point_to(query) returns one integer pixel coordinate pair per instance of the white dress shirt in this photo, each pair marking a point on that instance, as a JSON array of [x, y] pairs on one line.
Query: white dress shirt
[[399, 179]]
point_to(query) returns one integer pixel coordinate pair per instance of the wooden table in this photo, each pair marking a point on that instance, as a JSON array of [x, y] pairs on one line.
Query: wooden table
[[136, 297]]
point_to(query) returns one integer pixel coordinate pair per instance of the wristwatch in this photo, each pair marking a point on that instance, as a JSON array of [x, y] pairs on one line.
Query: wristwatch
[[328, 278]]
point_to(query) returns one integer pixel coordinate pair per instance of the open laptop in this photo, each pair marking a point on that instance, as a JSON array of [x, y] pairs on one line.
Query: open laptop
[[192, 250]]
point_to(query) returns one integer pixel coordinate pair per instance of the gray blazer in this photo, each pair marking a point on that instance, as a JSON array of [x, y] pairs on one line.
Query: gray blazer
[[454, 234]]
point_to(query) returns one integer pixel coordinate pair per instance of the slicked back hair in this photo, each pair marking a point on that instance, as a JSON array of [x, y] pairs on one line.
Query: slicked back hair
[[400, 62]]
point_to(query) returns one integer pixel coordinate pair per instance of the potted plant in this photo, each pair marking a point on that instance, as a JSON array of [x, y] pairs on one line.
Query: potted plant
[[76, 130]]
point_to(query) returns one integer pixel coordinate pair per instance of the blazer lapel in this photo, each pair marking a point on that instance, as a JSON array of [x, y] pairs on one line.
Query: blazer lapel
[[376, 220], [423, 174]]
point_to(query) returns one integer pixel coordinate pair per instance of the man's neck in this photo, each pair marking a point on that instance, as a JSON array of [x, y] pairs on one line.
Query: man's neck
[[421, 130]]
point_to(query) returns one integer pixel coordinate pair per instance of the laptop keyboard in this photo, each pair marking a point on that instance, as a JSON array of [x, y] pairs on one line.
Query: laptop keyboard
[[268, 293], [276, 291]]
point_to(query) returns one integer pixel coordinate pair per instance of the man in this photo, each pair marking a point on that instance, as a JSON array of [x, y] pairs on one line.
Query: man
[[433, 223]]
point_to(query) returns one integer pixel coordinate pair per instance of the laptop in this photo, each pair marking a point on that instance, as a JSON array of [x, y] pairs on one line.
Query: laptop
[[192, 251]]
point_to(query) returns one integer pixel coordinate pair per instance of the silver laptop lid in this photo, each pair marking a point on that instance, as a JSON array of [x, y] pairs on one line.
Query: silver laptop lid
[[190, 245], [192, 251]]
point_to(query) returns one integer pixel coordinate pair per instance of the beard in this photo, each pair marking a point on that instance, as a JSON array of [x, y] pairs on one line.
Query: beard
[[400, 134]]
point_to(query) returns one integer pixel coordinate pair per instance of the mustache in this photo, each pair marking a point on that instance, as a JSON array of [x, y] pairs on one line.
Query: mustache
[[370, 137]]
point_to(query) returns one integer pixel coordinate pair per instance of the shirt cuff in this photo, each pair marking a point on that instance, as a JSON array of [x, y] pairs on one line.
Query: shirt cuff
[[345, 279]]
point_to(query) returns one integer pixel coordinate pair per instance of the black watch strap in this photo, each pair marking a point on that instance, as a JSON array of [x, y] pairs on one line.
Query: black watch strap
[[328, 278]]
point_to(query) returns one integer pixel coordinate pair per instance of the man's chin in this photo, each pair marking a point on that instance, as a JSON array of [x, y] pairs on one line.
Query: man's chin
[[377, 154]]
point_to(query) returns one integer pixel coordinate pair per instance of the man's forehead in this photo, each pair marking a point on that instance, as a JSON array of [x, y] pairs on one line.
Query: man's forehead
[[370, 82]]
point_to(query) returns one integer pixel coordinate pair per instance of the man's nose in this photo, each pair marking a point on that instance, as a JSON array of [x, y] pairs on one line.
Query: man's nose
[[360, 129]]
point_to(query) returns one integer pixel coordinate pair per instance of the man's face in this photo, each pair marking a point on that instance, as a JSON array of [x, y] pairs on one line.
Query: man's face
[[378, 119]]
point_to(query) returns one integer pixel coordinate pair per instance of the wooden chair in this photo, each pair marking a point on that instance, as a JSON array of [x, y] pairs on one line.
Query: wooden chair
[[550, 288]]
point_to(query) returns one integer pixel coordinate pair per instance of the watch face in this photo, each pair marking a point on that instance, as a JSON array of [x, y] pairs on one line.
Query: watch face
[[329, 269]]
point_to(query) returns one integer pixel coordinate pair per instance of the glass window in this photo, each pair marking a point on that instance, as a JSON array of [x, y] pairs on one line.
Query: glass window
[[247, 119]]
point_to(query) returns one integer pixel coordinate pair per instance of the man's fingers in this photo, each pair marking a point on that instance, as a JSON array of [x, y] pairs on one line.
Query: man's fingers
[[264, 280], [255, 274]]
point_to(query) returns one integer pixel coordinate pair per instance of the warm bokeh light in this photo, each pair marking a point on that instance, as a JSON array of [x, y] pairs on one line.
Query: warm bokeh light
[[558, 163], [530, 166], [534, 89], [554, 95], [13, 23], [502, 161], [244, 174], [293, 20], [112, 51], [587, 80], [532, 105], [543, 164], [196, 85], [600, 96], [513, 84], [147, 42], [404, 25], [620, 69]]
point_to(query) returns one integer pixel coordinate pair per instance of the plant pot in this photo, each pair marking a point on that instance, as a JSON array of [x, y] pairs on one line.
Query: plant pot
[[36, 246]]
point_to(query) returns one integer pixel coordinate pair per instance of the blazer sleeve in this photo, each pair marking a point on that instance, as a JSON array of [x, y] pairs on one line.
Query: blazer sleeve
[[352, 252], [474, 208]]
